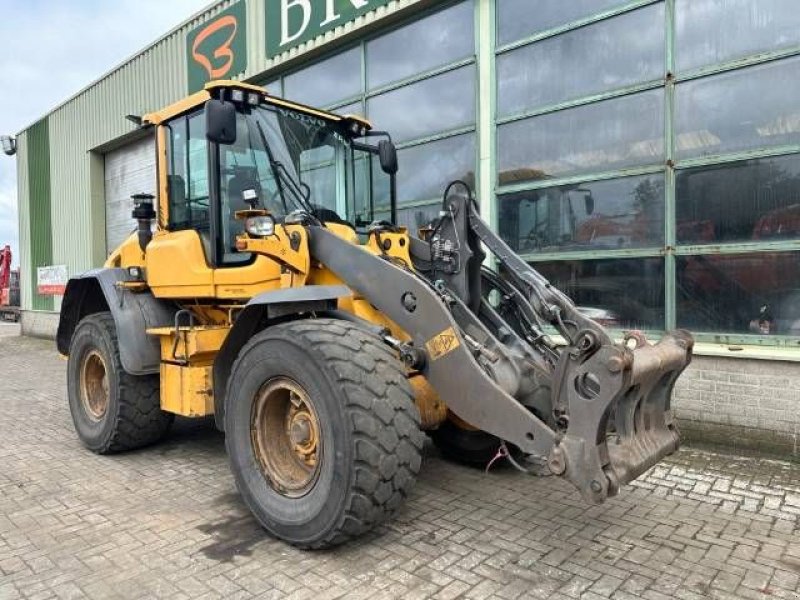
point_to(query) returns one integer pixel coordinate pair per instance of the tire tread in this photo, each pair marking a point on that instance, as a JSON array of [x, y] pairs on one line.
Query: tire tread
[[139, 420], [378, 399]]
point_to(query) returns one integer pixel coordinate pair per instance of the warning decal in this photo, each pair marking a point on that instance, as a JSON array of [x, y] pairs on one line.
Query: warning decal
[[442, 344]]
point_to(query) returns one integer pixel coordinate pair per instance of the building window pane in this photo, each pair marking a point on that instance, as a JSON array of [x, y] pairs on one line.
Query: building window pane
[[750, 108], [714, 31], [318, 171], [360, 188], [612, 214], [617, 133], [748, 201], [427, 169], [274, 87], [517, 19], [755, 293], [624, 293], [414, 217], [356, 108], [608, 55], [436, 40], [327, 82], [442, 103]]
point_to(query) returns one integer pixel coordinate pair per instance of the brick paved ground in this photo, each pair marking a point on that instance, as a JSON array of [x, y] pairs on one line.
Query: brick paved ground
[[166, 522]]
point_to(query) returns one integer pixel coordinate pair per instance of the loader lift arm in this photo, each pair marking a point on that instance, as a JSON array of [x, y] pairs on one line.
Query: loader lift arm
[[607, 418]]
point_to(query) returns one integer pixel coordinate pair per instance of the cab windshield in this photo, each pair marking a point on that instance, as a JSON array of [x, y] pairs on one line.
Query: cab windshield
[[292, 161], [282, 160]]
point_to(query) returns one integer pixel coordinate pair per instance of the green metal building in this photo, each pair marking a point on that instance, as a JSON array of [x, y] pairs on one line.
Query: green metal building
[[644, 154]]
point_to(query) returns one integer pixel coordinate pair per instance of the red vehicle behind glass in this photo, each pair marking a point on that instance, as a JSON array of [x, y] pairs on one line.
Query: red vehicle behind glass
[[768, 282]]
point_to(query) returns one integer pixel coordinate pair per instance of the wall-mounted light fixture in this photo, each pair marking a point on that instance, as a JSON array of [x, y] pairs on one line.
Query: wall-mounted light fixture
[[9, 144]]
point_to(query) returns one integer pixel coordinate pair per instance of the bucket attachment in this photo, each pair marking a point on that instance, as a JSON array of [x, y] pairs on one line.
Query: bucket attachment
[[610, 401], [614, 400]]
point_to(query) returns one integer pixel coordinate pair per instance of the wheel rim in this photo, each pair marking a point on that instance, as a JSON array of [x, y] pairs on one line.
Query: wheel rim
[[94, 385], [286, 439]]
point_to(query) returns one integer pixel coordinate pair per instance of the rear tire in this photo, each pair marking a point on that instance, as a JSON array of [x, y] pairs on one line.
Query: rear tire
[[467, 446], [112, 410], [344, 444]]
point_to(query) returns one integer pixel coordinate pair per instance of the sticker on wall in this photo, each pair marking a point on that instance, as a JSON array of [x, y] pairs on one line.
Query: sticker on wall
[[51, 280], [292, 22], [217, 49]]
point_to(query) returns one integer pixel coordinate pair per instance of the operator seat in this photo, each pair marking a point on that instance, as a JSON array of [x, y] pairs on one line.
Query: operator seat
[[179, 211], [243, 178]]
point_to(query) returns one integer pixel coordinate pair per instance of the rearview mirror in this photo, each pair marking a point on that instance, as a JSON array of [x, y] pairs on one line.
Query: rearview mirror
[[387, 154], [220, 122]]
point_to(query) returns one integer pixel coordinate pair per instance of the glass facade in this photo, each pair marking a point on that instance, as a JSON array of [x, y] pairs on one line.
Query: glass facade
[[648, 159], [611, 290], [754, 293], [417, 81], [602, 56], [593, 215], [608, 135], [644, 154], [710, 32]]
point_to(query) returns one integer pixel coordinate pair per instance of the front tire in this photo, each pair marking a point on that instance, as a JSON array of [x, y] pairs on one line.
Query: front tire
[[112, 410], [321, 430]]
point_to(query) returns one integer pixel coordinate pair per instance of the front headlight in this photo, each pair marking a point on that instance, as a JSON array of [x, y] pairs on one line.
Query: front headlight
[[260, 226]]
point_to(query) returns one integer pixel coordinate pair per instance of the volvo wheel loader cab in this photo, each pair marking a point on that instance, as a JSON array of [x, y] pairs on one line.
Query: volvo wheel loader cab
[[269, 286]]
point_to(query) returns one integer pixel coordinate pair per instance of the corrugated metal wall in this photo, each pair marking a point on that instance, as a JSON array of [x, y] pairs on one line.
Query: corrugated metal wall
[[129, 170], [95, 118]]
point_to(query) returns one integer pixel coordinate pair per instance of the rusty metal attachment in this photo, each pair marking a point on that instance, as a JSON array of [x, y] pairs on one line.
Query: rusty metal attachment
[[286, 437], [620, 419], [94, 386]]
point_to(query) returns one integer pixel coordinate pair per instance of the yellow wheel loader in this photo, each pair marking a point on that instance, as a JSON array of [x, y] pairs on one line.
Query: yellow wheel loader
[[268, 285]]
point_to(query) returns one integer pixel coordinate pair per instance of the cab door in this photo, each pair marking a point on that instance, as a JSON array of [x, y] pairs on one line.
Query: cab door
[[242, 166], [176, 259], [193, 253]]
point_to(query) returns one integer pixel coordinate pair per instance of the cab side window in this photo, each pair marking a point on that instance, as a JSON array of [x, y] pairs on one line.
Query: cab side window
[[187, 176]]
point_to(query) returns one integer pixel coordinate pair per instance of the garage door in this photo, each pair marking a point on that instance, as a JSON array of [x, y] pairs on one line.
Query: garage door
[[129, 170]]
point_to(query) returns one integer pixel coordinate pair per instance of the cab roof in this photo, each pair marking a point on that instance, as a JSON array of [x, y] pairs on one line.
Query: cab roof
[[199, 98]]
